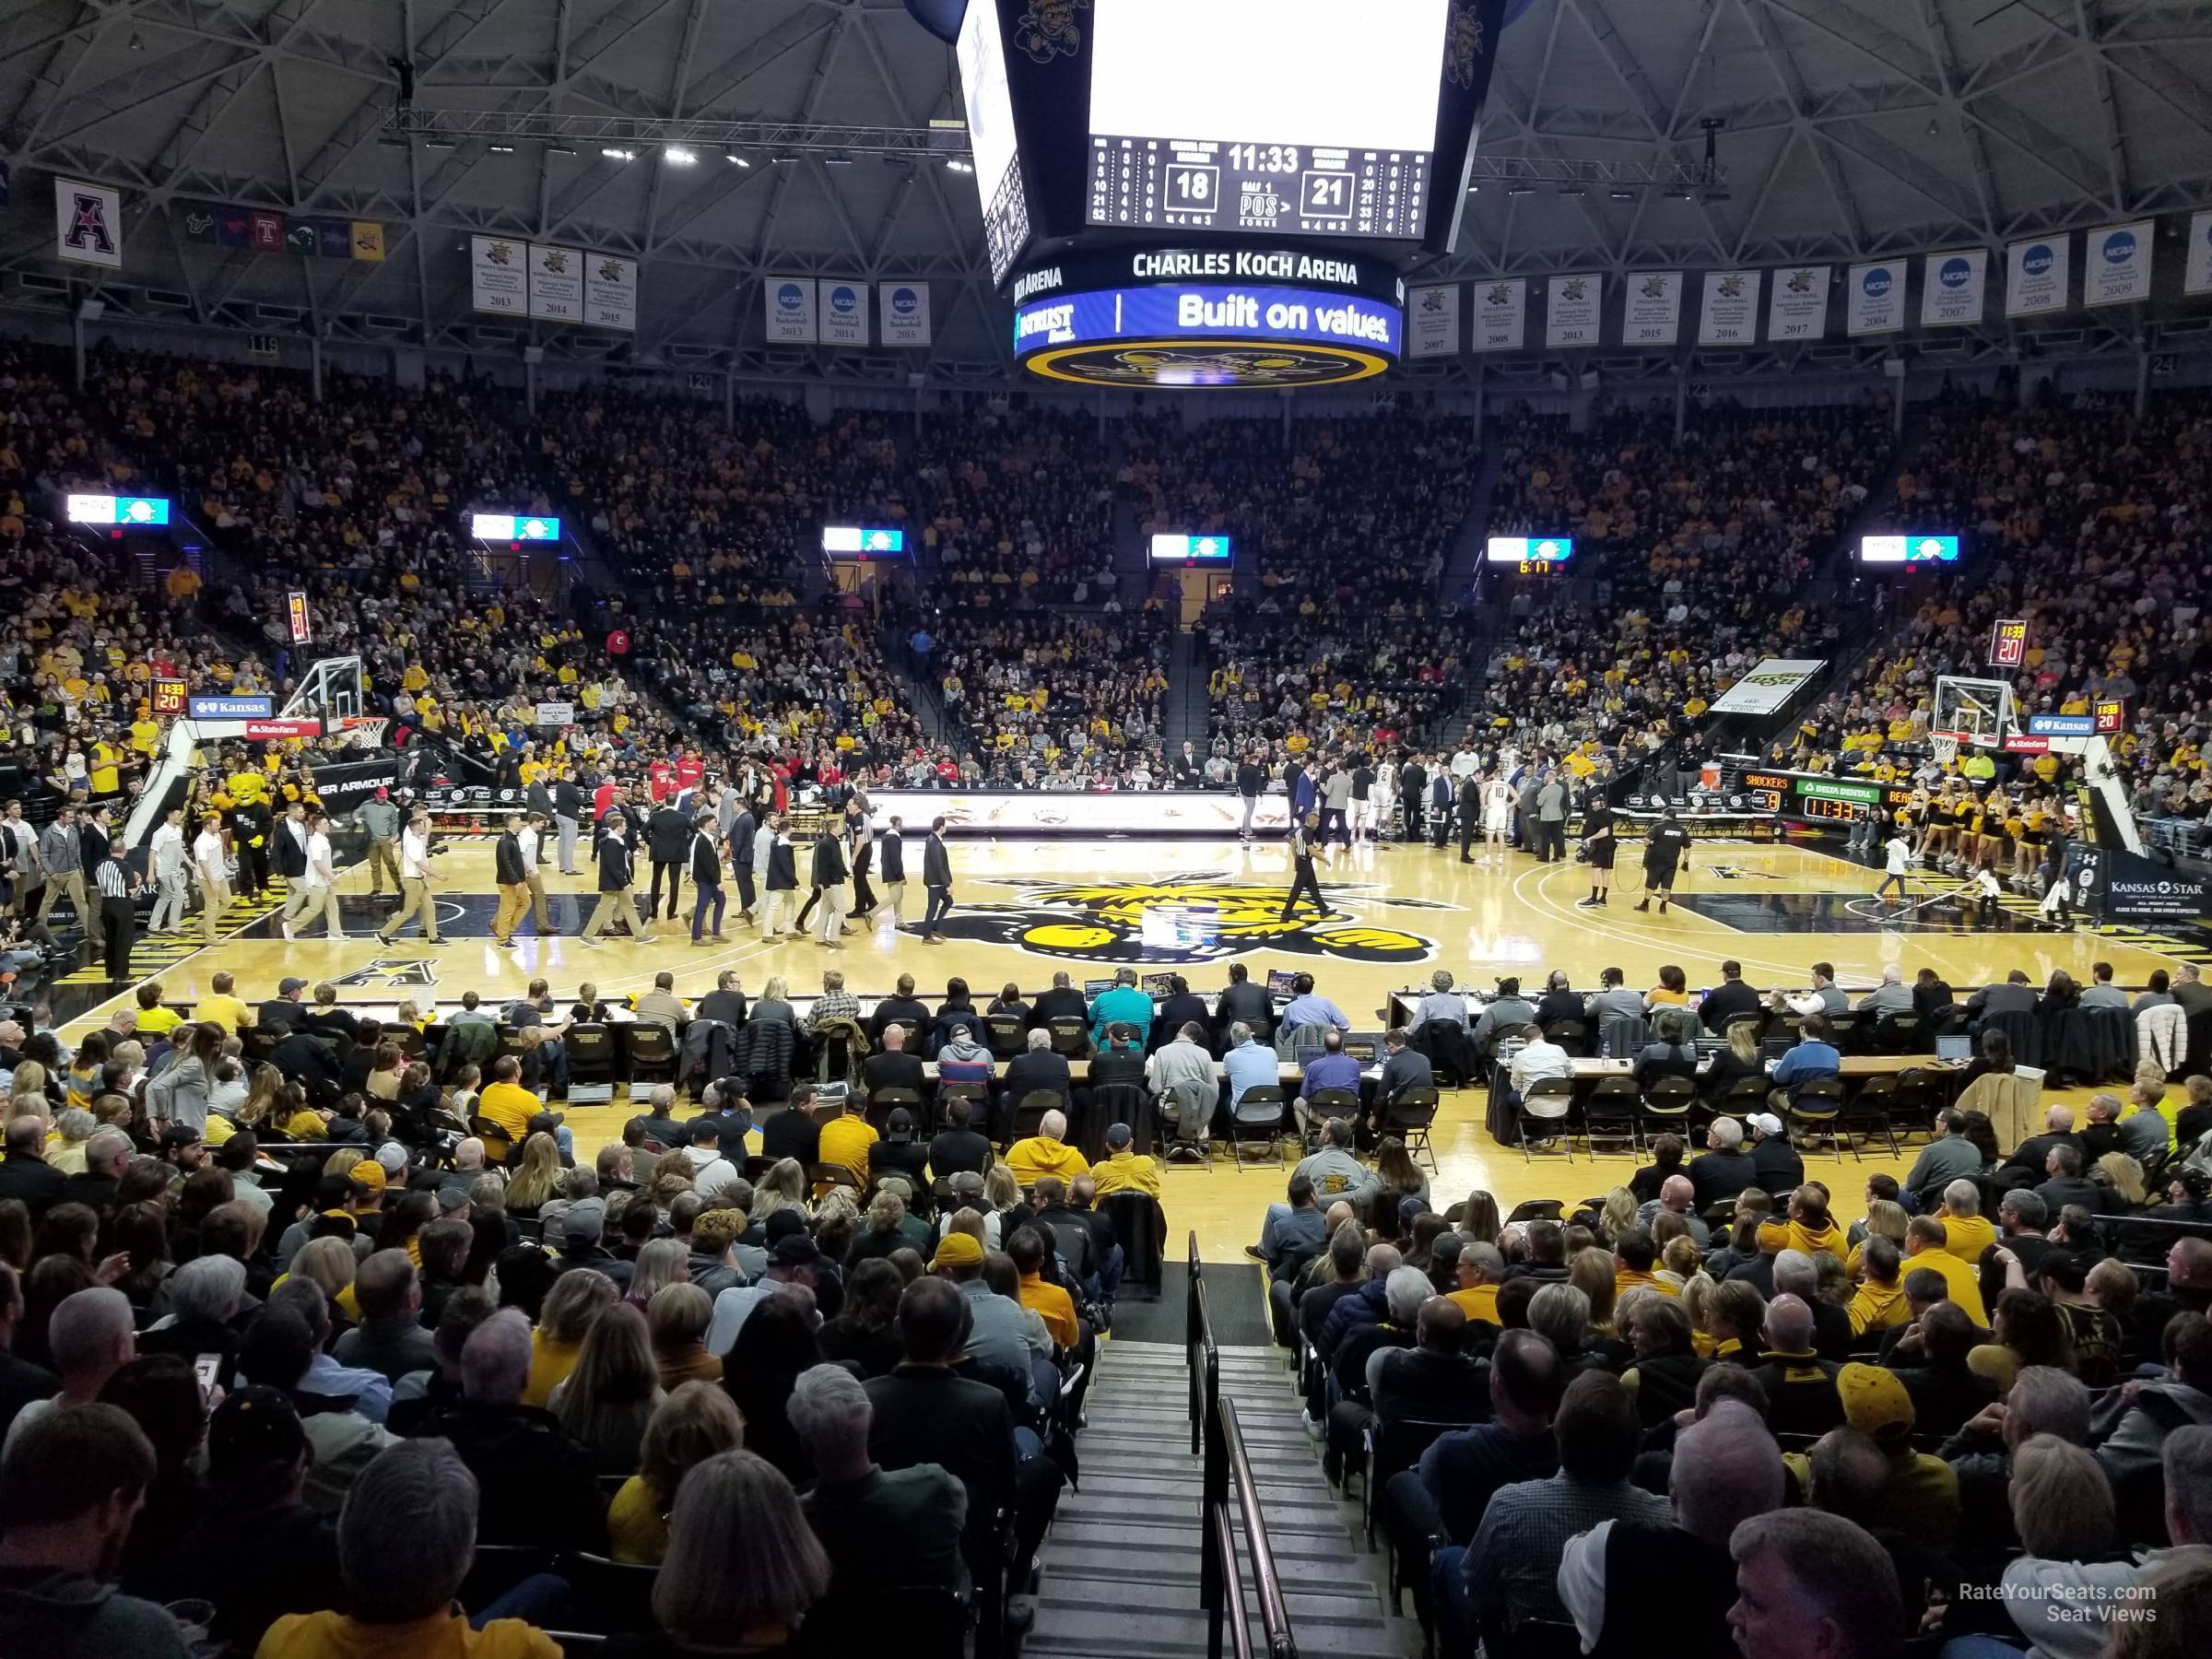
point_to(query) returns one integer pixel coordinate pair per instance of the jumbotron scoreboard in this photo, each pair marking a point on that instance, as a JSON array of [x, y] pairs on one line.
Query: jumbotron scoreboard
[[1217, 192]]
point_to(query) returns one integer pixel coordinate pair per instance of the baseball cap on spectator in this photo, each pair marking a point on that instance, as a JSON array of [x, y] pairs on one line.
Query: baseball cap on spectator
[[451, 1199], [1766, 1123], [783, 1223], [368, 1175], [797, 1250], [255, 1428], [179, 1135], [393, 1158], [584, 1222], [285, 987], [1875, 1401]]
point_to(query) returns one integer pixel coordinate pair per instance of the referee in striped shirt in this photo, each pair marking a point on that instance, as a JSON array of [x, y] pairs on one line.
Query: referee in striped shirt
[[117, 911]]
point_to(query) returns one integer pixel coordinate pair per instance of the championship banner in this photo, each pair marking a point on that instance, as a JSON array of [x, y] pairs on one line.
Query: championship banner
[[905, 307], [844, 311], [1432, 321], [610, 292], [296, 616], [1730, 316], [499, 276], [1798, 307], [790, 302], [1875, 301], [1500, 314], [1651, 314], [2197, 271], [556, 284], [1571, 310], [1951, 287], [2116, 264], [2008, 642], [2036, 275], [1769, 685], [87, 224], [368, 241]]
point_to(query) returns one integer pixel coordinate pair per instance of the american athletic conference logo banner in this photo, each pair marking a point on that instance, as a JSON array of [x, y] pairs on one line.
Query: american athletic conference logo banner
[[87, 224]]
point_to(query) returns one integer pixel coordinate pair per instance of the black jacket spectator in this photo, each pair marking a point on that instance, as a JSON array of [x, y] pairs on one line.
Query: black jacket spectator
[[791, 1133], [1724, 1001], [1719, 1175], [958, 1149], [536, 1480], [1037, 1069], [894, 1068], [906, 1011]]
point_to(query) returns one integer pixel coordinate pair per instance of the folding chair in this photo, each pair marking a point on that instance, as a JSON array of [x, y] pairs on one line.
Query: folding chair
[[1259, 1112]]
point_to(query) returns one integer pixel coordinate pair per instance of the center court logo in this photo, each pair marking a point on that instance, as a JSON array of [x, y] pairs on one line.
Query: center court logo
[[1189, 918]]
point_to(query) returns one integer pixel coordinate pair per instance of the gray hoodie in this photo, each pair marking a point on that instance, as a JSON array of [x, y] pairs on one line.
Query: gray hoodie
[[67, 1615], [2137, 1430]]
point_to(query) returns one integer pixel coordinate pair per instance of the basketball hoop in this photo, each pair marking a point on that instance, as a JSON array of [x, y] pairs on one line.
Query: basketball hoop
[[1944, 745], [366, 733]]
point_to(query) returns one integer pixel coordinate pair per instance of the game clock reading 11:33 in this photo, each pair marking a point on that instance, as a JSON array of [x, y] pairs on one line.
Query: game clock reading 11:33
[[1284, 188]]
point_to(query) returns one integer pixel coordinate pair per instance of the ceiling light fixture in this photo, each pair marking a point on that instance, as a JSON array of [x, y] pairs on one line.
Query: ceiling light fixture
[[676, 156], [737, 160], [1519, 190], [1620, 195], [614, 154], [440, 143], [955, 165], [501, 149], [559, 149]]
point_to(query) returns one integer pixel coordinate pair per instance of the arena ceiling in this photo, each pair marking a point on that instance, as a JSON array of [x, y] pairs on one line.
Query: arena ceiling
[[1851, 127]]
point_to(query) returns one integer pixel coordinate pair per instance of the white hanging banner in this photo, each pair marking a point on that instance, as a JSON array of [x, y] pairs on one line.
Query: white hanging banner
[[1797, 309], [905, 313], [790, 302], [87, 224], [844, 311], [499, 276], [1951, 287], [1874, 301], [556, 284], [2036, 276], [1731, 312], [1432, 321], [1652, 314], [610, 292], [2115, 266], [1571, 314], [1501, 322], [2197, 271]]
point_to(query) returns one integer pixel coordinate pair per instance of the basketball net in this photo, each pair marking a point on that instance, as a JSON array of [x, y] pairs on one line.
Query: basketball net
[[1944, 745], [368, 733]]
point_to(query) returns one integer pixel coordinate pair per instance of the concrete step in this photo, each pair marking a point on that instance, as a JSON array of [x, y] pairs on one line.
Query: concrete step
[[1117, 1633]]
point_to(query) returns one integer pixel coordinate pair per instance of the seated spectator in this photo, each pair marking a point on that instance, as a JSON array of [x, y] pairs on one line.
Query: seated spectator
[[742, 1569], [1800, 1386], [1046, 1153], [88, 1336], [695, 1421], [70, 1483], [1812, 1582], [883, 1530], [607, 1401], [390, 1338], [1723, 1168], [537, 1482], [958, 1147], [2129, 1444], [405, 1541]]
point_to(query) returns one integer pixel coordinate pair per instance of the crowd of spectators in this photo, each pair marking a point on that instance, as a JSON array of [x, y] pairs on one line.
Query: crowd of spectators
[[1015, 508], [1072, 693]]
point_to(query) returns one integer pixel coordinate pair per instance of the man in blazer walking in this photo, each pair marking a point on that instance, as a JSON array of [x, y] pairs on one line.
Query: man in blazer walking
[[936, 878]]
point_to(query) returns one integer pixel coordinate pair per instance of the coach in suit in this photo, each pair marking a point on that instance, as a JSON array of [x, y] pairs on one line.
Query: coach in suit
[[668, 836], [706, 878], [740, 839], [936, 876]]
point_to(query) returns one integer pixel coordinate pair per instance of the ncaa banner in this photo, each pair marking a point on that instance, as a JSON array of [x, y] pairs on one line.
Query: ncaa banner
[[1652, 314], [790, 302], [1731, 313], [2196, 274], [1571, 310], [499, 276], [2116, 267], [87, 224], [1950, 287], [1769, 685], [556, 284], [2036, 276], [1432, 322], [1875, 301], [844, 311], [1501, 320], [905, 313], [610, 292]]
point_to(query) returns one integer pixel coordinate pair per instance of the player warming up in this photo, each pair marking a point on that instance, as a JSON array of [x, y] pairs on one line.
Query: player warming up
[[1665, 854], [1597, 846]]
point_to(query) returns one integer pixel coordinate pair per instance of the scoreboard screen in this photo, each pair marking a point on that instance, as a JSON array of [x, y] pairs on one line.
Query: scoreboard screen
[[1294, 117], [132, 511], [858, 544], [1541, 552], [1909, 550], [1191, 549], [513, 527], [990, 106]]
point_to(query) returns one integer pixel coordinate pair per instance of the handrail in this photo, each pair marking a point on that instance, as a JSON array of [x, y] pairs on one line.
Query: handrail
[[1215, 1432]]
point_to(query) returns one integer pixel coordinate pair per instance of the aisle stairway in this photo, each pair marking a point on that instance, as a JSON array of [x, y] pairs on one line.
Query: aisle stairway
[[1121, 1566]]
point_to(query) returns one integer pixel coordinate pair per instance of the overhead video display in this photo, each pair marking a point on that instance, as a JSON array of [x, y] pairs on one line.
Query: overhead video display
[[983, 62], [1288, 116], [1909, 550]]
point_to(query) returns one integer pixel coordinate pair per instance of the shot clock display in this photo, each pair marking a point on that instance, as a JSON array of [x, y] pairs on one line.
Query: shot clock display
[[1283, 116]]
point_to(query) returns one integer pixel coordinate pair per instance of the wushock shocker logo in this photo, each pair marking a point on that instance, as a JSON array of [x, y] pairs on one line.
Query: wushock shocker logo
[[1188, 918]]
